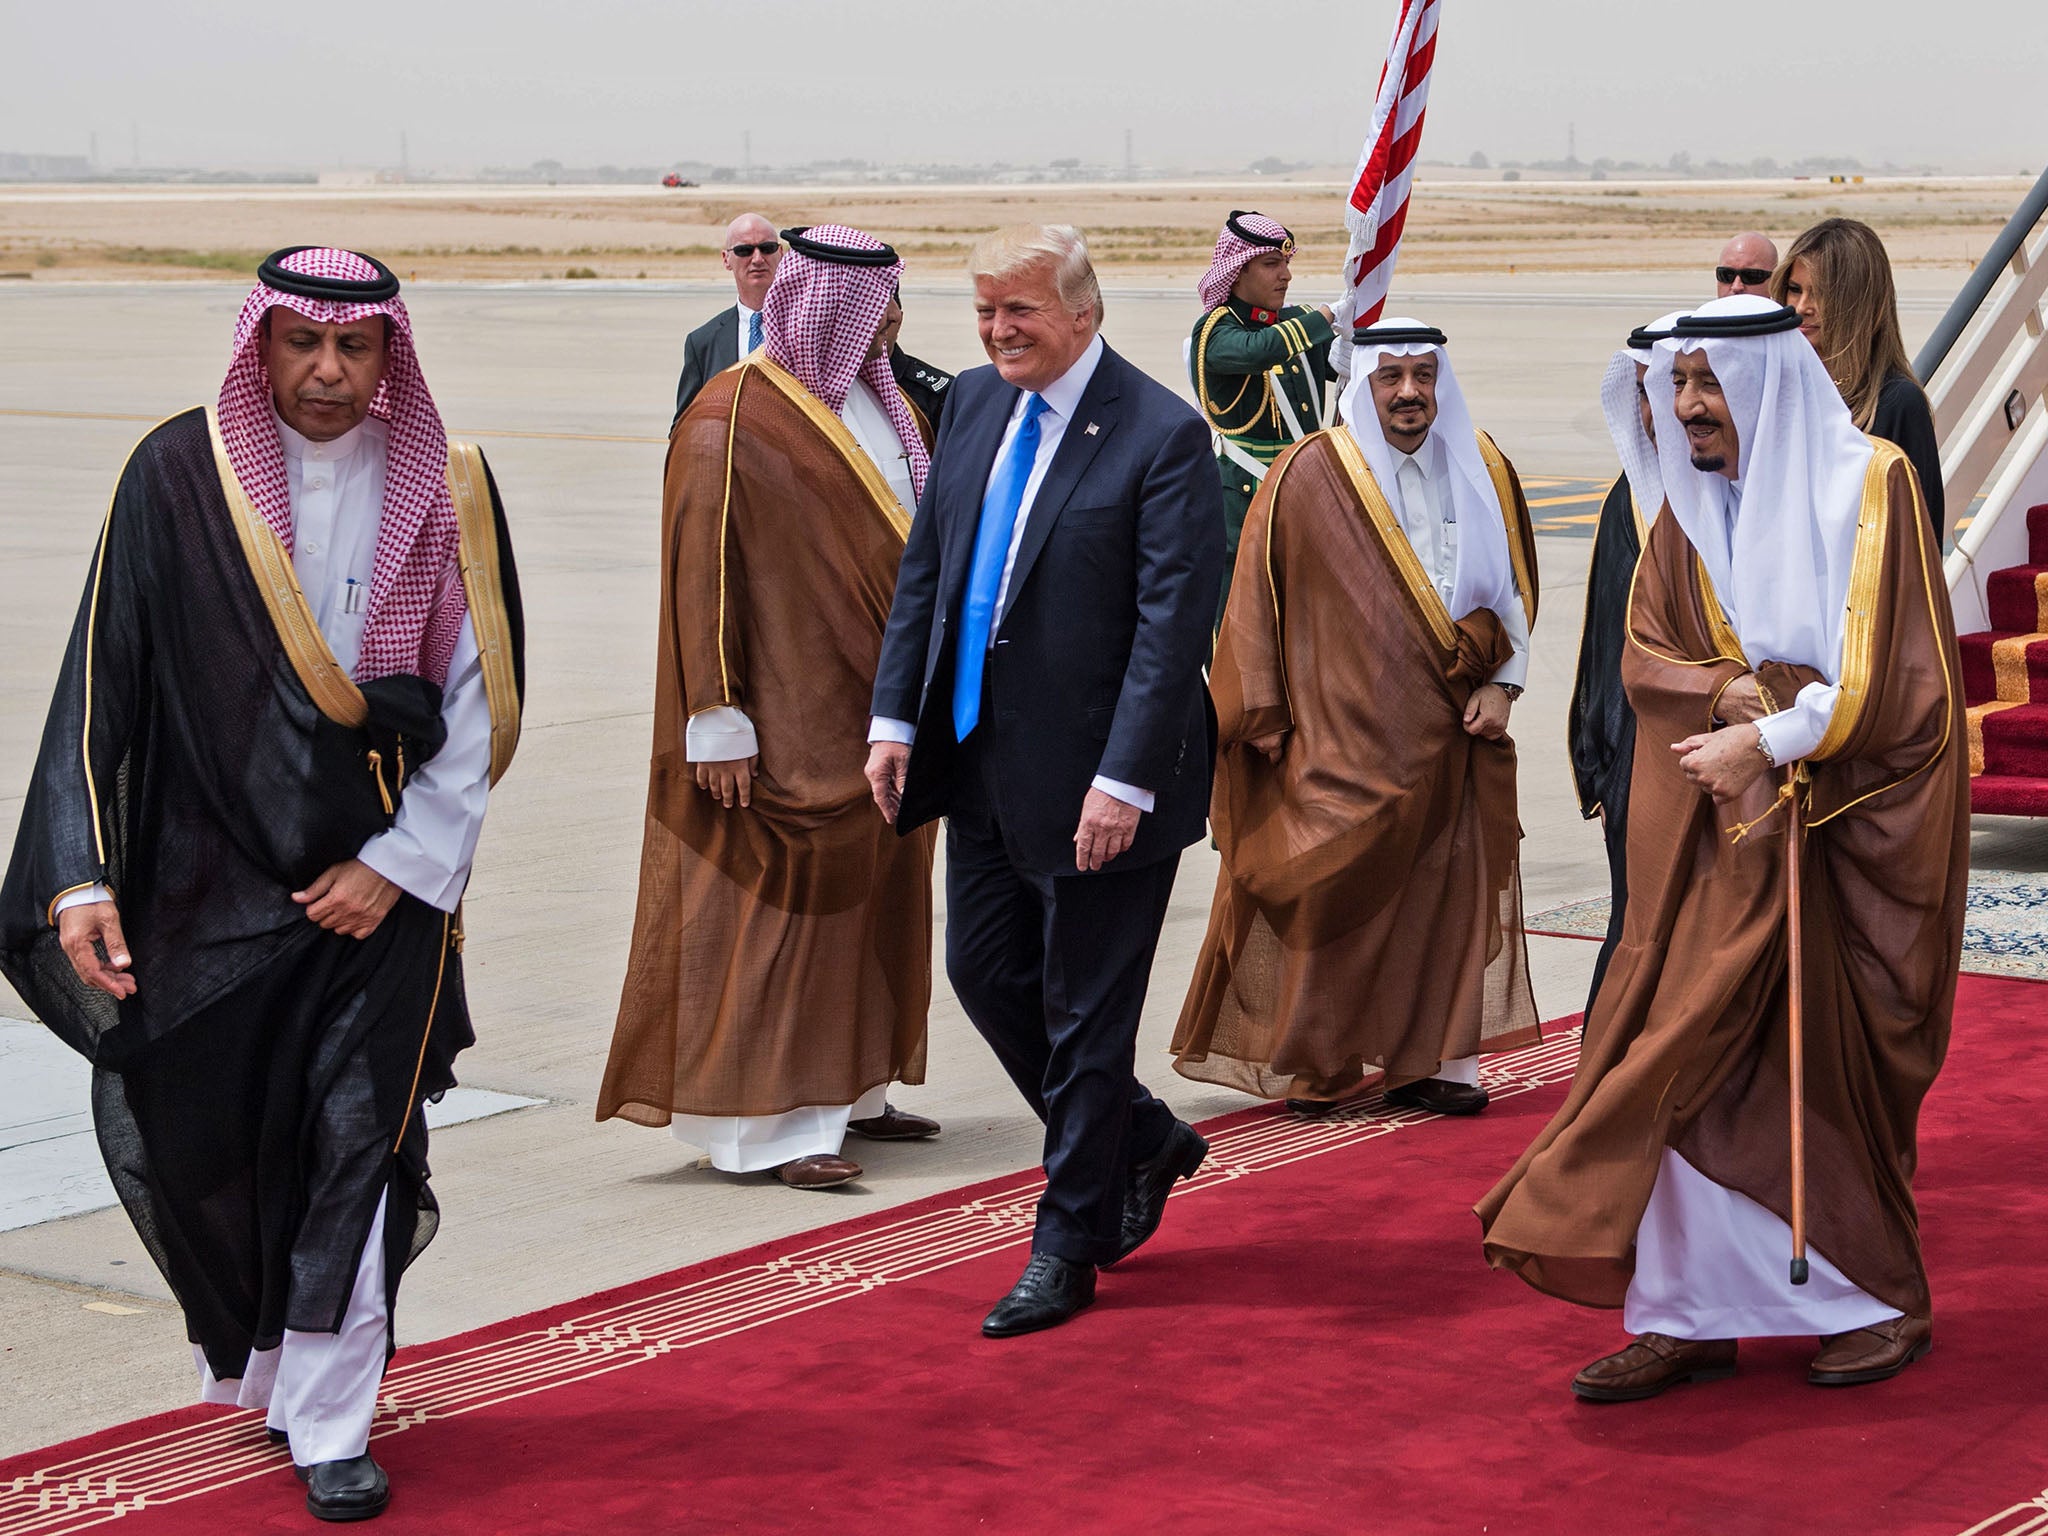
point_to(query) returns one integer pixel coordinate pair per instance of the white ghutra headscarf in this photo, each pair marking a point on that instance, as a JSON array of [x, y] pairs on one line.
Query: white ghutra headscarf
[[1777, 543], [1632, 444], [1486, 573]]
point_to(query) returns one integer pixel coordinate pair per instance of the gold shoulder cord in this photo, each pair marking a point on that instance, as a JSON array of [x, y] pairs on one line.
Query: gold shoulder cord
[[1399, 550], [333, 691], [483, 584], [1504, 491], [1210, 408]]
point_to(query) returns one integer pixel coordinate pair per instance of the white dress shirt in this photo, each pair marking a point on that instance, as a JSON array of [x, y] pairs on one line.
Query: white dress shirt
[[1062, 399], [723, 733], [337, 497], [1793, 732], [1418, 499]]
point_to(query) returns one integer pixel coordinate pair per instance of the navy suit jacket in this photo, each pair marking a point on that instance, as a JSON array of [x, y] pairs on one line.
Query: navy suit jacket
[[1098, 655]]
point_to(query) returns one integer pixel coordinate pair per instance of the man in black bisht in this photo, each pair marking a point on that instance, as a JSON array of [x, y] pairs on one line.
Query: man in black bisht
[[295, 674], [1602, 726]]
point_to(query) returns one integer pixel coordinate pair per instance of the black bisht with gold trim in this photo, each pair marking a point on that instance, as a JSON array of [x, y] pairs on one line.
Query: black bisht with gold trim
[[204, 757]]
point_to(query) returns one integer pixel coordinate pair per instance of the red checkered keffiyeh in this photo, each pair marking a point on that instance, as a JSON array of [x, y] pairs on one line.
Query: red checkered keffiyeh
[[820, 318], [416, 601], [1233, 251]]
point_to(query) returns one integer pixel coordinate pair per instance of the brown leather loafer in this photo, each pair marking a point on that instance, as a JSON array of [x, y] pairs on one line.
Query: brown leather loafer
[[818, 1171], [893, 1124], [1439, 1097], [1652, 1363], [1876, 1353]]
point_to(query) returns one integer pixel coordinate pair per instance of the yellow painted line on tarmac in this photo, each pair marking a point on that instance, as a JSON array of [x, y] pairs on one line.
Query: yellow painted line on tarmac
[[1567, 501], [545, 437]]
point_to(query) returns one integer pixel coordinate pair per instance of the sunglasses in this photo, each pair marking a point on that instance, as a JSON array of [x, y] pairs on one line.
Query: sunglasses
[[769, 248], [1754, 277]]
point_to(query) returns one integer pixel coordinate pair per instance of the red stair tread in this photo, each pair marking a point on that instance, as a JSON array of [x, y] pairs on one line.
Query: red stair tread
[[2004, 794], [2011, 596], [2037, 534], [1980, 671]]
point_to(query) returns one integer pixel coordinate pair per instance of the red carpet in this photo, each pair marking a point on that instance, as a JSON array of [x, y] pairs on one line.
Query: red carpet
[[2005, 683], [1311, 1344]]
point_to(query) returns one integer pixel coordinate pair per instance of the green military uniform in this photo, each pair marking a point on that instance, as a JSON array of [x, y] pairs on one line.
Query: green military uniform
[[1251, 367]]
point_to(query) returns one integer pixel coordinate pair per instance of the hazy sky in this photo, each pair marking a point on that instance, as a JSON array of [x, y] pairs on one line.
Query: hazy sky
[[1199, 82]]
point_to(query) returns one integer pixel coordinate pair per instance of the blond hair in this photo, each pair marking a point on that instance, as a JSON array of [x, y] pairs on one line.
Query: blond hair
[[1007, 252]]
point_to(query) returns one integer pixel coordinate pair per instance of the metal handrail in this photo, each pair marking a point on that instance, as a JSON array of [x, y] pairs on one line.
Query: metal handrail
[[1978, 288]]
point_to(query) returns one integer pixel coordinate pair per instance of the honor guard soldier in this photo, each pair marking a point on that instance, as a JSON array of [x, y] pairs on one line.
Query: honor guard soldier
[[1260, 368]]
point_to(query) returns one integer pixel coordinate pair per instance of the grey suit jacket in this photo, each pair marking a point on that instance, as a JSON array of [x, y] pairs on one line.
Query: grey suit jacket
[[711, 348]]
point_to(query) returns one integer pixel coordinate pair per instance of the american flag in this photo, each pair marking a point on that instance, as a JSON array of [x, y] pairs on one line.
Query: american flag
[[1378, 207]]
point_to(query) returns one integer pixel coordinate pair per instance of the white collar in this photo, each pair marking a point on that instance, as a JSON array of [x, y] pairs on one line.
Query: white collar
[[1063, 395], [741, 306], [1424, 458], [299, 447]]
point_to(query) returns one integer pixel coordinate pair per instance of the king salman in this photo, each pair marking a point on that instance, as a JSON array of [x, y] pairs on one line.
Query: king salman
[[1366, 929], [1790, 659], [295, 674], [780, 970]]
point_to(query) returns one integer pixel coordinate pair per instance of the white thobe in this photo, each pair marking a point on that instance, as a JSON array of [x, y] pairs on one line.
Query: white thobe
[[1418, 500], [321, 1388], [755, 1143]]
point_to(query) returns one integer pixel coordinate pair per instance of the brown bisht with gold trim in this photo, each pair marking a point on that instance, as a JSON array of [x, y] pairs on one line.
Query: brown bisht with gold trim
[[1367, 921], [205, 757], [781, 953], [1686, 1045]]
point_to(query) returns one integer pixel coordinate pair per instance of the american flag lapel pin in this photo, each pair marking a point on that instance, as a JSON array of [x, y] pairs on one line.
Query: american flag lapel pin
[[1091, 429]]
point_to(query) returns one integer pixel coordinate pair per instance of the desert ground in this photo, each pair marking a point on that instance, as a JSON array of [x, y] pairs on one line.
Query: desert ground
[[1460, 222]]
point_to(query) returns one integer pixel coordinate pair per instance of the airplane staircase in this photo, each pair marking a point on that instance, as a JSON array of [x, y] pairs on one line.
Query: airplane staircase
[[1985, 368]]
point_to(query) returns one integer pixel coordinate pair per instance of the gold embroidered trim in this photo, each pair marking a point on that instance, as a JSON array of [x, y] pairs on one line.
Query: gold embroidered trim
[[1974, 718], [483, 584], [1719, 630], [92, 619], [1723, 637], [732, 427], [1272, 490], [835, 432], [1504, 490], [1859, 622], [1210, 408], [333, 691], [1406, 562], [426, 1034], [1642, 523], [50, 911]]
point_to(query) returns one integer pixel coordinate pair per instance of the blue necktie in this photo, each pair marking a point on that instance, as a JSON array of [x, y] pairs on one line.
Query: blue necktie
[[754, 331], [991, 552]]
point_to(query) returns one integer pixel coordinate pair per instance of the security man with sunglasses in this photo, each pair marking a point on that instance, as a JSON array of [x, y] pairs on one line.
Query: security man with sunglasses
[[1746, 264], [750, 254]]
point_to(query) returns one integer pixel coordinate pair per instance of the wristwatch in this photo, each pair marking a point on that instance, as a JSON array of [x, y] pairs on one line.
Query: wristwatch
[[1512, 690], [1764, 746]]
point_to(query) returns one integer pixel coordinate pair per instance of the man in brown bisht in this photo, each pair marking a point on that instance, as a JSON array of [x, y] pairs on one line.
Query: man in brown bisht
[[1367, 926], [1788, 613], [781, 960]]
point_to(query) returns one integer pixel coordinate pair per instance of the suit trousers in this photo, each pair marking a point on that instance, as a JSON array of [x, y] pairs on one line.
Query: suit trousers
[[1052, 970]]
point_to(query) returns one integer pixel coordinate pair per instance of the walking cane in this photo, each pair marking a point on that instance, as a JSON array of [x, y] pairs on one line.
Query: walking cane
[[1796, 1029]]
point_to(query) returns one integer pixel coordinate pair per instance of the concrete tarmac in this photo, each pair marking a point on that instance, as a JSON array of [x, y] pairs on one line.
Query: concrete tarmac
[[569, 388]]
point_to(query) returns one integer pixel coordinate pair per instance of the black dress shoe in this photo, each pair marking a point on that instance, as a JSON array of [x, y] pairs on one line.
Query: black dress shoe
[[355, 1489], [277, 1436], [1050, 1291], [1439, 1097], [1151, 1182]]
